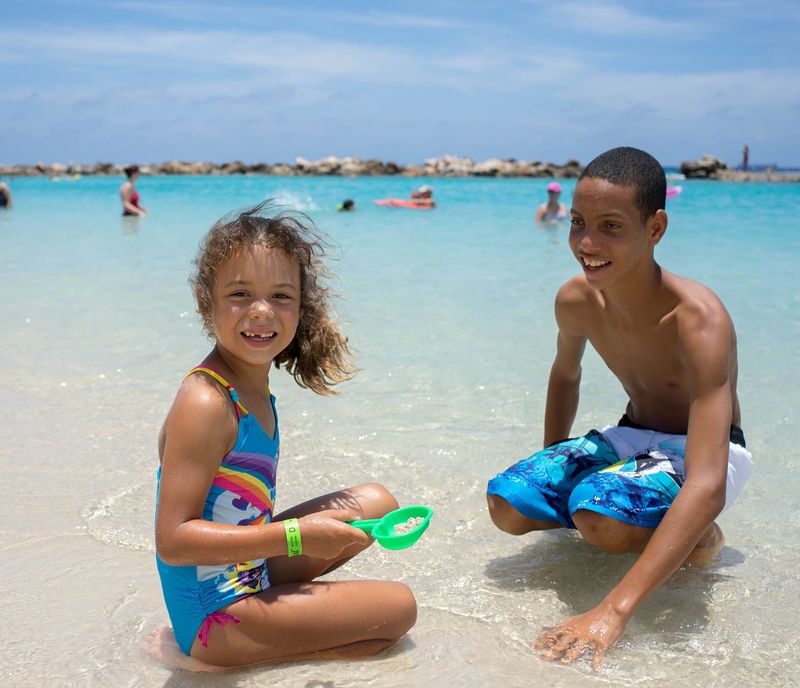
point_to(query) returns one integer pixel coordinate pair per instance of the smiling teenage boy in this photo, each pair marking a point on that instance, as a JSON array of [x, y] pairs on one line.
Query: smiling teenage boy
[[656, 481]]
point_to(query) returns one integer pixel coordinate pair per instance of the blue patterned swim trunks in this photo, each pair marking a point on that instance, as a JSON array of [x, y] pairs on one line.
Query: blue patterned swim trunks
[[631, 474]]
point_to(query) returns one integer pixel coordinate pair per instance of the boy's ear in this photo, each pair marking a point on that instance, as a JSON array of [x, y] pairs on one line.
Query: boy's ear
[[657, 225]]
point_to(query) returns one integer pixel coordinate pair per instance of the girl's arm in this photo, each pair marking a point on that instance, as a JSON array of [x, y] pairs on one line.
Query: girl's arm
[[201, 429]]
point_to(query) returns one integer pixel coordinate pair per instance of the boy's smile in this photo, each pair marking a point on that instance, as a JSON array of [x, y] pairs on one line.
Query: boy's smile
[[592, 264]]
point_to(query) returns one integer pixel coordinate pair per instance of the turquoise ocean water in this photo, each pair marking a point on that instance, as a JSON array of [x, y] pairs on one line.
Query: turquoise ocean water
[[450, 315]]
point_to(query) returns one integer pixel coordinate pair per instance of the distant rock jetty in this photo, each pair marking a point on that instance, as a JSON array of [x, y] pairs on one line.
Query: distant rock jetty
[[447, 166], [709, 167]]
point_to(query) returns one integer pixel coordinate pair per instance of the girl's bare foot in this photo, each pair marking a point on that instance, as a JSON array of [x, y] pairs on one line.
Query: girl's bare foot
[[708, 548], [162, 647]]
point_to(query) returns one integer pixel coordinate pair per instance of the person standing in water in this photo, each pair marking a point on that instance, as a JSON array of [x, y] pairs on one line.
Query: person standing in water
[[553, 210], [5, 196], [128, 194]]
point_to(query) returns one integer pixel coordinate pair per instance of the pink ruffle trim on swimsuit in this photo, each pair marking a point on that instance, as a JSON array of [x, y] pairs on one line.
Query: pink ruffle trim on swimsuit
[[217, 617]]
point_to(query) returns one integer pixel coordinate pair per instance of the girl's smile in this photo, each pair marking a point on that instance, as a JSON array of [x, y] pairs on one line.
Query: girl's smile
[[257, 303], [259, 339]]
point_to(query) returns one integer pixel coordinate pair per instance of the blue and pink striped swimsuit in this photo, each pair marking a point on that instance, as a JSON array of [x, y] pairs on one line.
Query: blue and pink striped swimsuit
[[242, 493]]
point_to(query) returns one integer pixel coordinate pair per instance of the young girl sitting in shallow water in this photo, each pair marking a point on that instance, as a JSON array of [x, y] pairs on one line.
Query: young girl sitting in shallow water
[[238, 580]]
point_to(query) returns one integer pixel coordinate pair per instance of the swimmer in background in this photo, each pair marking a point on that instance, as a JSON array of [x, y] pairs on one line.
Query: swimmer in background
[[5, 196], [240, 579], [128, 194], [347, 205], [552, 211], [423, 196]]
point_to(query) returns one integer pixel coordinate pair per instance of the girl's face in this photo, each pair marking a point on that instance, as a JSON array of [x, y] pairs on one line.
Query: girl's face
[[256, 304]]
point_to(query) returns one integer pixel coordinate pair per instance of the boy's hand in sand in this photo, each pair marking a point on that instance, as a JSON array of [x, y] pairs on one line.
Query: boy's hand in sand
[[326, 535], [589, 634]]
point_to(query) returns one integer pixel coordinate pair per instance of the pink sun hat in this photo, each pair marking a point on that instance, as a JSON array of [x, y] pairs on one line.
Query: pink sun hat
[[555, 187]]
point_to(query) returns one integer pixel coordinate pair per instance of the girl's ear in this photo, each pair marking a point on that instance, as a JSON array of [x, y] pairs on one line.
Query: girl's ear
[[657, 226]]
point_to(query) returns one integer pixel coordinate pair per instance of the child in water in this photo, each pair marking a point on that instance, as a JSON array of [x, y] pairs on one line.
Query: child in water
[[654, 483], [239, 580]]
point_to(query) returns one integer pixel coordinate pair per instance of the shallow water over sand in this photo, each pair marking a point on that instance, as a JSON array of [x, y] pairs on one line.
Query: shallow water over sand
[[450, 313]]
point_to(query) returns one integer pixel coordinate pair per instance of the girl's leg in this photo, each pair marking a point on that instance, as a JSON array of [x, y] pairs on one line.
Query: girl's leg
[[370, 500], [319, 620], [378, 615]]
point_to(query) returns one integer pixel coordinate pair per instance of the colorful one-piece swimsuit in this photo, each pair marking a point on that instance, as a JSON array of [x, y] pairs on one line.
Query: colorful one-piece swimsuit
[[242, 493]]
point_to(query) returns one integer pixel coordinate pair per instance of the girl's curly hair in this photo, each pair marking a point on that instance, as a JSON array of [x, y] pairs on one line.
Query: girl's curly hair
[[318, 357]]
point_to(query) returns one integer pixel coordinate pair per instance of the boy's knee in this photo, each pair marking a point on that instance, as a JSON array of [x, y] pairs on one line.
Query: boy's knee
[[509, 520], [610, 535]]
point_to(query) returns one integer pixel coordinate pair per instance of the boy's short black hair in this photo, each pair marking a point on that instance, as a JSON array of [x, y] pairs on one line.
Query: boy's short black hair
[[628, 166]]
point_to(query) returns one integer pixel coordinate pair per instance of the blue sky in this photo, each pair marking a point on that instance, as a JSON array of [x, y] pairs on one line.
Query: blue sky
[[138, 80]]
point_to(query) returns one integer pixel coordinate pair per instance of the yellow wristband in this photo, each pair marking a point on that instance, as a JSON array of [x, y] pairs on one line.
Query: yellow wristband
[[294, 544]]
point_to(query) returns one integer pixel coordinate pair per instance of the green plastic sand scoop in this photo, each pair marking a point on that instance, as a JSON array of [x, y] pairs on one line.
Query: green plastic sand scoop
[[398, 529]]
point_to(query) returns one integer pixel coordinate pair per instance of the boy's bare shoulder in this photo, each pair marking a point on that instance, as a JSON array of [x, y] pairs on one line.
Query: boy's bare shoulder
[[698, 307], [576, 296], [576, 292], [575, 301]]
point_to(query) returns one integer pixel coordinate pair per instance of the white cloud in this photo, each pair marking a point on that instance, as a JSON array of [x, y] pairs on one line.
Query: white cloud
[[199, 12], [290, 55], [616, 20], [254, 59], [690, 95]]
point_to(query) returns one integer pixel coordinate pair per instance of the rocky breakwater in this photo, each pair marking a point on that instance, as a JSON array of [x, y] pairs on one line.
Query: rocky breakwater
[[709, 167], [446, 166], [704, 168], [453, 166]]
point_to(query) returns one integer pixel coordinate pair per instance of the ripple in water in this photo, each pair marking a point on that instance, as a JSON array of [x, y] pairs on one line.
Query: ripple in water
[[123, 519]]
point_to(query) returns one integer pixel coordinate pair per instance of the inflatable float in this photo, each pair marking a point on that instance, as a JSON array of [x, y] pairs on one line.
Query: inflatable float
[[403, 203], [674, 191]]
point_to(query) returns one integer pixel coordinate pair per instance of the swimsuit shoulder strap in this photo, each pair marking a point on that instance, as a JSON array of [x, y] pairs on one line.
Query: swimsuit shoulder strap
[[240, 409]]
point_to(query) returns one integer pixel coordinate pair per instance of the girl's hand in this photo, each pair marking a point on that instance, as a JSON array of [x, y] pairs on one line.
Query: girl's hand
[[326, 535]]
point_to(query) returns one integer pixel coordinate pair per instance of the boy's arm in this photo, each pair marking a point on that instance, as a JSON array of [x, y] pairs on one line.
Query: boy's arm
[[563, 386], [706, 344]]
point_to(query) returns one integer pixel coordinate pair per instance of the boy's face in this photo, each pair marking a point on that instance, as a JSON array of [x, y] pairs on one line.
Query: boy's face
[[607, 235]]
